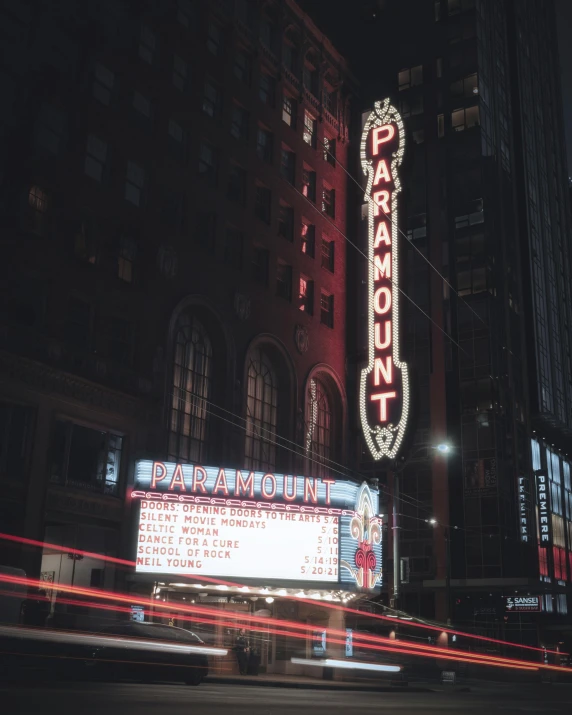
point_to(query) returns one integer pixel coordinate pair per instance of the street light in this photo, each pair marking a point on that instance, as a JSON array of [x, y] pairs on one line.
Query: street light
[[443, 448]]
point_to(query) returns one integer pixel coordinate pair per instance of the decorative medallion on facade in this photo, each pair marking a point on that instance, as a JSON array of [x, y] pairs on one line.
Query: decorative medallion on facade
[[365, 528], [384, 382], [302, 339]]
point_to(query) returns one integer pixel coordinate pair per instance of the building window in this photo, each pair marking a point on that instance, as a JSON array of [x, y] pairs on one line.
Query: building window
[[440, 126], [147, 44], [205, 234], [328, 248], [214, 39], [103, 83], [289, 109], [284, 281], [121, 341], [308, 236], [142, 105], [288, 165], [268, 34], [330, 151], [330, 100], [267, 91], [237, 185], [134, 183], [85, 458], [462, 119], [126, 259], [264, 145], [310, 129], [311, 75], [212, 100], [78, 323], [192, 388], [177, 141], [263, 203], [239, 123], [38, 199], [412, 77], [327, 309], [180, 73], [329, 201], [261, 413], [260, 265], [185, 15], [468, 87], [208, 164], [286, 222], [319, 428], [85, 243], [233, 247], [15, 434], [309, 184], [306, 295], [290, 53], [95, 157], [242, 67]]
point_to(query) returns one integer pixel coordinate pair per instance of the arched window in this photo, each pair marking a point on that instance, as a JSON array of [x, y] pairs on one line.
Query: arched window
[[192, 386], [318, 428], [261, 413]]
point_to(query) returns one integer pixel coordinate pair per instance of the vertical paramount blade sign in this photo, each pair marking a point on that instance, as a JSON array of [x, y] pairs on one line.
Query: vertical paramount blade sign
[[384, 383]]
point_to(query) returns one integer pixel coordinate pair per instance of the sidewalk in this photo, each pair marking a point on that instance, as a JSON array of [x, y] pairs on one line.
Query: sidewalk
[[298, 681]]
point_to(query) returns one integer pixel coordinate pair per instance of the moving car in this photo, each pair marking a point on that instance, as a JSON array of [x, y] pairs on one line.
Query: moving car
[[149, 652]]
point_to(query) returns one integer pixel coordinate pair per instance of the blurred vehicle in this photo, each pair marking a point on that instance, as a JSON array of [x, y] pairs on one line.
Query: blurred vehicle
[[149, 652]]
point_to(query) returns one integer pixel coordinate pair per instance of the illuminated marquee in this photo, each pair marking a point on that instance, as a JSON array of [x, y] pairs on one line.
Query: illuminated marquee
[[384, 383], [243, 524], [542, 500]]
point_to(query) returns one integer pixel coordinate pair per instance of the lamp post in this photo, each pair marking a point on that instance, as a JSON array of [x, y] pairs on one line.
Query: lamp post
[[444, 449], [447, 536]]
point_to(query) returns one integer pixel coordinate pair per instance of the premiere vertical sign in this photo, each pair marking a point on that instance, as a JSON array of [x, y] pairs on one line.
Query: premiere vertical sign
[[384, 382], [543, 501]]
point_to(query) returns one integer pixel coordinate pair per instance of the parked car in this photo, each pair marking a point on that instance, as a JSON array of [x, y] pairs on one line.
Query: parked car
[[149, 652]]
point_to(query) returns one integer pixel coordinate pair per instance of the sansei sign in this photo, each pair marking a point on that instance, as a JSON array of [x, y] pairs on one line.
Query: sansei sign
[[256, 525], [384, 382], [520, 604]]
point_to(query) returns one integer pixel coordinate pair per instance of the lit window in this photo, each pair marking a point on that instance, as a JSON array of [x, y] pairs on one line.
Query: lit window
[[410, 77], [214, 42], [126, 259], [208, 164], [319, 428], [310, 131], [243, 67], [328, 248], [180, 73], [288, 165], [306, 295], [327, 309], [289, 106], [286, 222], [211, 100], [309, 184], [462, 119], [267, 89], [36, 217], [308, 239], [192, 388], [264, 145], [284, 281], [261, 413], [134, 183], [103, 82], [147, 43], [330, 151], [329, 201], [239, 122], [95, 158], [38, 199]]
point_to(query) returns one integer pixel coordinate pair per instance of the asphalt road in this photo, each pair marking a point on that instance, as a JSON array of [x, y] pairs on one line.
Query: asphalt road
[[215, 699]]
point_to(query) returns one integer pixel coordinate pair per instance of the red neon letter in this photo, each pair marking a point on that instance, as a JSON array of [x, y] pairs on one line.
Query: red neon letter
[[380, 135], [328, 483], [381, 172], [383, 398], [178, 479], [246, 487], [155, 476], [310, 490], [265, 494], [382, 235], [199, 482], [381, 198], [387, 298], [221, 483], [382, 267], [383, 370], [292, 496], [386, 335]]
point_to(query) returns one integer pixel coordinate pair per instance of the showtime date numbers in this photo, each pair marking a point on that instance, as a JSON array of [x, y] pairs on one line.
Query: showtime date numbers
[[319, 570]]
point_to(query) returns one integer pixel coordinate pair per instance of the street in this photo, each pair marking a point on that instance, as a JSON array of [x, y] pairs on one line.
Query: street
[[215, 699]]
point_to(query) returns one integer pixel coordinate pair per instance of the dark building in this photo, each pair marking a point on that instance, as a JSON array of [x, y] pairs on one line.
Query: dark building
[[489, 239], [175, 278]]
